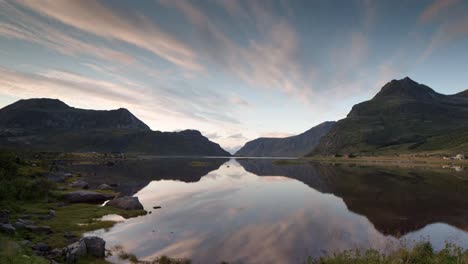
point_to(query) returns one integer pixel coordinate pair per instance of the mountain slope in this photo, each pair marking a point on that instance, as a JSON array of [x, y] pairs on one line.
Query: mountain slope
[[51, 125], [294, 146], [403, 116], [54, 114]]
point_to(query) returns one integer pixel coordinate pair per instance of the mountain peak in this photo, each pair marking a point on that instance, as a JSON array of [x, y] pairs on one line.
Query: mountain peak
[[38, 103], [406, 88]]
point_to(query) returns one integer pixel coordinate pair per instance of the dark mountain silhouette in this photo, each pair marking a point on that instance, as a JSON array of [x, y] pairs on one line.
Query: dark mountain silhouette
[[403, 116], [294, 146], [51, 125]]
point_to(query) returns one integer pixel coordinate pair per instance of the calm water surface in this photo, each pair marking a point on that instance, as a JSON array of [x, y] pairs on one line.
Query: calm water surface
[[253, 211]]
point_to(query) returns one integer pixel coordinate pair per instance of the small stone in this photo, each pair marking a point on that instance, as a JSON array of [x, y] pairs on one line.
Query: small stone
[[19, 225], [4, 216], [25, 243], [86, 197], [41, 247], [156, 207], [104, 187], [80, 185], [126, 203], [7, 228], [24, 221], [52, 213]]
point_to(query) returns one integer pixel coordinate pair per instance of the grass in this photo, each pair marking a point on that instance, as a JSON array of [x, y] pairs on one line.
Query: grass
[[422, 253], [12, 252]]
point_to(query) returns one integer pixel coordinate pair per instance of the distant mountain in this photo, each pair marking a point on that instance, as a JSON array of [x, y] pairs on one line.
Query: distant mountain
[[294, 146], [404, 116], [51, 125]]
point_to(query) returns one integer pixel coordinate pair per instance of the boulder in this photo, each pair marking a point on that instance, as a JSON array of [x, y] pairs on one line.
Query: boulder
[[7, 228], [95, 246], [39, 229], [41, 247], [80, 185], [92, 246], [74, 251], [104, 187], [4, 216], [86, 197], [126, 203], [19, 225]]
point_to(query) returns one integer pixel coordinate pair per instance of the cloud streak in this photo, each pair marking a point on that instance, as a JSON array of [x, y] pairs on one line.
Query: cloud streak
[[95, 18]]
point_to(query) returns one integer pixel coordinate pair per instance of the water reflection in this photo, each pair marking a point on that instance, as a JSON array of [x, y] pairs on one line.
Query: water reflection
[[252, 211]]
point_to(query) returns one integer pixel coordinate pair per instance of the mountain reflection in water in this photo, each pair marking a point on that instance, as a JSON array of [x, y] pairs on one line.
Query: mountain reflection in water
[[253, 211]]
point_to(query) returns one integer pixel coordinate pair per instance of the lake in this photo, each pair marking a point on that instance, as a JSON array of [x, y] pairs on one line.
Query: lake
[[257, 211]]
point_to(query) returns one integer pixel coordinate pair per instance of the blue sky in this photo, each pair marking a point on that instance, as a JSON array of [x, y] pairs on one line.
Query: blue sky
[[235, 70]]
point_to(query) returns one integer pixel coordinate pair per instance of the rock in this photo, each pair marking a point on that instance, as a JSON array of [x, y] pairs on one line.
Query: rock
[[156, 207], [52, 213], [7, 228], [95, 246], [74, 251], [4, 217], [24, 221], [80, 185], [86, 197], [25, 243], [41, 247], [126, 203], [114, 185], [39, 229], [110, 163], [71, 238], [19, 225], [104, 187]]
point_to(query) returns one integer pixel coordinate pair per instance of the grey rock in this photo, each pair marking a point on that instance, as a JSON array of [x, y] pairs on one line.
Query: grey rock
[[104, 187], [25, 221], [7, 228], [80, 185], [95, 246], [39, 229], [25, 243], [52, 213], [41, 247], [86, 197], [74, 251], [4, 216], [19, 225], [126, 203]]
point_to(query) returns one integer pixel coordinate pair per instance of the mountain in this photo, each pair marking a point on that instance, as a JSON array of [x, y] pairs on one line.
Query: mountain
[[51, 125], [294, 146], [404, 116], [53, 114]]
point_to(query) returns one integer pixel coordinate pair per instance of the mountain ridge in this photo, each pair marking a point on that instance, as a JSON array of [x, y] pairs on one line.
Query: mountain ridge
[[293, 146], [403, 116], [51, 125]]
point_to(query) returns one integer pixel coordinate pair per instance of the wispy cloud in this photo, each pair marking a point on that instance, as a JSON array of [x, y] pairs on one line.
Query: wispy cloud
[[435, 9], [95, 18]]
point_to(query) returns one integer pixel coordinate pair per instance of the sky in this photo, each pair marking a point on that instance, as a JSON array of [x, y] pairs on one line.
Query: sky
[[235, 70]]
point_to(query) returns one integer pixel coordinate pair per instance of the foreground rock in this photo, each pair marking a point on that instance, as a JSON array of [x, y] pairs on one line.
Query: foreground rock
[[86, 197], [80, 185], [126, 203], [7, 229], [92, 246], [4, 216], [104, 187]]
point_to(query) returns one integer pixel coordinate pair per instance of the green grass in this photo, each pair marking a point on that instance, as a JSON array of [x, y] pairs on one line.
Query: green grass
[[422, 253], [75, 218]]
